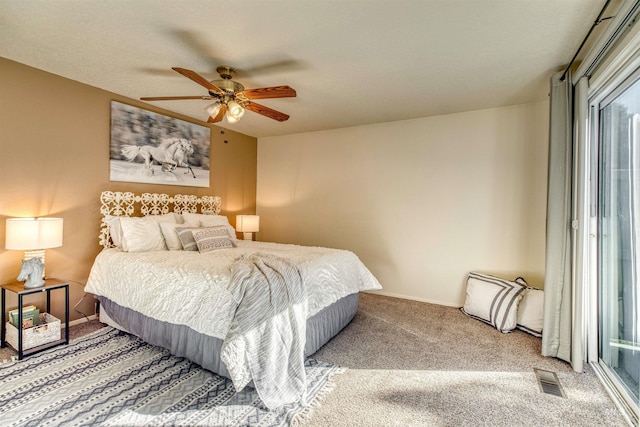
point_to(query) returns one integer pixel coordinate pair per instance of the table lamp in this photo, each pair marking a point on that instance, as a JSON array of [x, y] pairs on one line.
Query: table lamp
[[33, 236], [248, 224]]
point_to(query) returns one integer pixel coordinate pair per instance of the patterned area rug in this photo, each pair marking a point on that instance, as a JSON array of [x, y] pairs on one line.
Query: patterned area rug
[[114, 379]]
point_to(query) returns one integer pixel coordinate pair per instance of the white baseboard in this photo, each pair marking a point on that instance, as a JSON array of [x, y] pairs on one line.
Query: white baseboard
[[80, 321], [430, 301]]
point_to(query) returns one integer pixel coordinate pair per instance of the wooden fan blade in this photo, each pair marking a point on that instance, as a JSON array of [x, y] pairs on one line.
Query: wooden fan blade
[[266, 111], [219, 116], [270, 92], [174, 98], [198, 79]]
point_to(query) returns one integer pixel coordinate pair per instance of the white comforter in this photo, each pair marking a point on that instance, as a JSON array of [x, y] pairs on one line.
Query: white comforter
[[191, 288]]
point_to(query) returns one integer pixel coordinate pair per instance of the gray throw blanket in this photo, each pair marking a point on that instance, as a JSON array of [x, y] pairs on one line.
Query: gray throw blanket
[[265, 342]]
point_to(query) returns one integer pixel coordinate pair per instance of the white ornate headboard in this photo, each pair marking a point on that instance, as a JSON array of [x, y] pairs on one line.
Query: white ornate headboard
[[118, 203]]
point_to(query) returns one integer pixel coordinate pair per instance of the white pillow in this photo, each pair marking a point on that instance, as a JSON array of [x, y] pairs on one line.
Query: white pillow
[[171, 238], [192, 219], [115, 230], [530, 312], [202, 220], [141, 234], [212, 238], [493, 300], [169, 217]]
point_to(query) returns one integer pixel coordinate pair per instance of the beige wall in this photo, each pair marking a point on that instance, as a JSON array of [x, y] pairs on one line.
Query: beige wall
[[421, 202], [54, 161]]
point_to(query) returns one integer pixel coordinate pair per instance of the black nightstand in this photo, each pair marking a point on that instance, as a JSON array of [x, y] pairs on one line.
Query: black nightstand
[[18, 289]]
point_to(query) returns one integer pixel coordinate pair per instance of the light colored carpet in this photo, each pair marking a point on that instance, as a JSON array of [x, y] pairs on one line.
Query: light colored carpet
[[417, 364]]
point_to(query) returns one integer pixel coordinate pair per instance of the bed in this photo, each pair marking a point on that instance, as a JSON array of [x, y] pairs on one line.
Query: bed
[[151, 282]]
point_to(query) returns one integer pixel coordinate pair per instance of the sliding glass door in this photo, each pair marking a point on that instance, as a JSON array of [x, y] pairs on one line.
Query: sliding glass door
[[619, 238]]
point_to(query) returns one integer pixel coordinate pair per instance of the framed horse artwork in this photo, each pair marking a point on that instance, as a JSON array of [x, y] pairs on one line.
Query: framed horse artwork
[[152, 148]]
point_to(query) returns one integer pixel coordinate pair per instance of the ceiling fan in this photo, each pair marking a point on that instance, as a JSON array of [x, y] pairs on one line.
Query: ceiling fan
[[230, 98]]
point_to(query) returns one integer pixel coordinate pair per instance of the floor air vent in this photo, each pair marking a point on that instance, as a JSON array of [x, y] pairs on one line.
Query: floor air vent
[[549, 383]]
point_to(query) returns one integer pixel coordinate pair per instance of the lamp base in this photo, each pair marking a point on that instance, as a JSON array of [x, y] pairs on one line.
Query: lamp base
[[36, 253], [247, 236], [33, 272]]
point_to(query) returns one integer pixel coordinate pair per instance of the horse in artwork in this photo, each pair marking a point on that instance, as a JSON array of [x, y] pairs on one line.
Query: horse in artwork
[[31, 271], [170, 154]]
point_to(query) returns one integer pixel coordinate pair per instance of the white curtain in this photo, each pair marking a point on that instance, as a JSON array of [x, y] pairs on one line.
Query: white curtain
[[556, 337], [581, 223], [566, 269]]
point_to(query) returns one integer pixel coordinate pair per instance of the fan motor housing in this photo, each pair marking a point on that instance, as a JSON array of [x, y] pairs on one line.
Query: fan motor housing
[[228, 85]]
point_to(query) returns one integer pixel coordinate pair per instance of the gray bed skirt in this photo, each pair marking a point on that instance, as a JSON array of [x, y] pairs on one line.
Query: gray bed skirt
[[204, 350]]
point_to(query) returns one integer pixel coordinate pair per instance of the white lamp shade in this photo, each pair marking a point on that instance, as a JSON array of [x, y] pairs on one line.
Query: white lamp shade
[[213, 109], [248, 223], [235, 111], [33, 233], [231, 119]]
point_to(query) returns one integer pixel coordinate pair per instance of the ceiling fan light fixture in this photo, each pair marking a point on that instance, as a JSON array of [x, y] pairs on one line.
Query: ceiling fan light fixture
[[231, 119], [235, 110], [213, 109]]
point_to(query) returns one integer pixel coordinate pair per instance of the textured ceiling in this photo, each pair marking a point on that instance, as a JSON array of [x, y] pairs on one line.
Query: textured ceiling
[[351, 62]]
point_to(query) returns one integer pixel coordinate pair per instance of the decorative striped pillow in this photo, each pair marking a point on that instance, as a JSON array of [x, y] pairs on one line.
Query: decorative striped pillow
[[186, 238], [212, 238], [205, 220], [530, 312], [493, 300]]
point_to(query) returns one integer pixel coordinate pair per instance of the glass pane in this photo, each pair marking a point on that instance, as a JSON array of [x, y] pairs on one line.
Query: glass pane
[[619, 239]]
